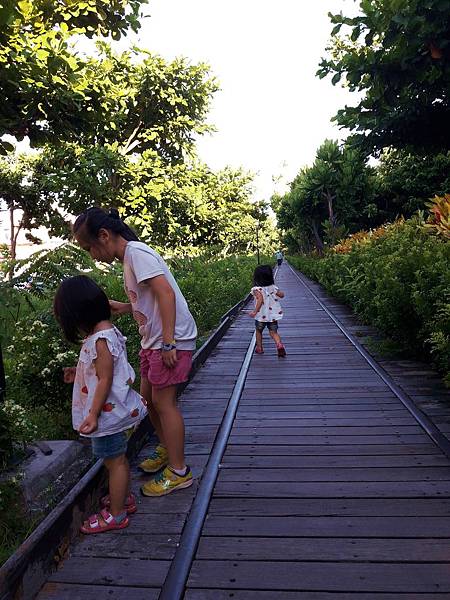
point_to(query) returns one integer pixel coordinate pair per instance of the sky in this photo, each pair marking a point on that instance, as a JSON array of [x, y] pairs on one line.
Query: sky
[[271, 113]]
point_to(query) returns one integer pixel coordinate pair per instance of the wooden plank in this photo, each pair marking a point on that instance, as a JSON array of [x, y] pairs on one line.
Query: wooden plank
[[342, 526], [299, 391], [314, 421], [313, 462], [324, 549], [333, 474], [334, 490], [296, 449], [66, 591], [318, 440], [325, 409], [316, 507], [308, 430], [318, 576], [112, 571], [323, 414], [236, 594], [135, 545]]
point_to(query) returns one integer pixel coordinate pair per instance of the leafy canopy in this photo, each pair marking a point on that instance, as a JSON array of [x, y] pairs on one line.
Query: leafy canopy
[[46, 90]]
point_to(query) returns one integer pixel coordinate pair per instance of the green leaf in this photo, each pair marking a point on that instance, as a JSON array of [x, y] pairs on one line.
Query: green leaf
[[6, 147], [336, 78]]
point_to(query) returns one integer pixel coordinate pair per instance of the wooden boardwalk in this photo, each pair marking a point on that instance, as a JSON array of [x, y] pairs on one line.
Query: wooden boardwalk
[[329, 488]]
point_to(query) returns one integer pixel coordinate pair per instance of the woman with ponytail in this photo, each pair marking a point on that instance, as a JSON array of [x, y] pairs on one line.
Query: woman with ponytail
[[168, 334]]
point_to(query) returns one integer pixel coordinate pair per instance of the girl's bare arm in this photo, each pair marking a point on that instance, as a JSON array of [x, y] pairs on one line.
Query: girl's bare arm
[[259, 302], [104, 366]]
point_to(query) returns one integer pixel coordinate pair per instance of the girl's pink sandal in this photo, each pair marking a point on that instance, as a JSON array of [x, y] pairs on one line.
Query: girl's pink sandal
[[130, 503], [92, 525], [259, 350], [281, 350]]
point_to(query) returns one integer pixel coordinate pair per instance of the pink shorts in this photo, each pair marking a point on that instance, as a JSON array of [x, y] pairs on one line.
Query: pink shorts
[[160, 376]]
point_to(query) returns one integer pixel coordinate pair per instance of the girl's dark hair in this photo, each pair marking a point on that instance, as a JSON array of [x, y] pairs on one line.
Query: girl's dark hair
[[94, 219], [79, 305], [263, 276]]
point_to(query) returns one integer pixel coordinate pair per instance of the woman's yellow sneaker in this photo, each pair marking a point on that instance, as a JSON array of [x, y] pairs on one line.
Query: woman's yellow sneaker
[[156, 461], [166, 482]]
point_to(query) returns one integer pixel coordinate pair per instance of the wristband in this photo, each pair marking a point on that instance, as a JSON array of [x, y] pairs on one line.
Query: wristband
[[168, 347]]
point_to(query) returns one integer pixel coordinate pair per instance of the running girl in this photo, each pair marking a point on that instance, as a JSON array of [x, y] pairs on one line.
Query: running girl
[[268, 310]]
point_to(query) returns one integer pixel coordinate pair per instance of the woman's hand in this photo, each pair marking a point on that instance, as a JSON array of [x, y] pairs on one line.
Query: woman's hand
[[169, 358], [69, 374], [89, 425], [252, 314], [119, 308]]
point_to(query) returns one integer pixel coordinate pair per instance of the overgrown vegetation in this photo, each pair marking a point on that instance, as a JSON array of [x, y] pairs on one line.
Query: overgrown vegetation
[[398, 280]]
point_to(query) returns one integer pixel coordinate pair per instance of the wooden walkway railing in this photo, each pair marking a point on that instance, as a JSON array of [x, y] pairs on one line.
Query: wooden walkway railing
[[329, 487]]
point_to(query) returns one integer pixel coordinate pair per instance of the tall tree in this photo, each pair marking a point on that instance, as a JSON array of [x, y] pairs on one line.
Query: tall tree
[[395, 53], [331, 196]]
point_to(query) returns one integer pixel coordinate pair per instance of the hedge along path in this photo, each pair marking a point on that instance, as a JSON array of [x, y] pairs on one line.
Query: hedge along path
[[328, 485]]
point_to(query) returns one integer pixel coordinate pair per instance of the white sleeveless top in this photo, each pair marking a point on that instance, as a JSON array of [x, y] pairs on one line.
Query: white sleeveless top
[[271, 309], [124, 407]]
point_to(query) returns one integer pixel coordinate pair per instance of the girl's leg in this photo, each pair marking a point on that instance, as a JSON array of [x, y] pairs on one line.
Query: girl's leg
[[259, 339], [146, 393], [172, 424], [276, 338], [119, 483], [280, 348]]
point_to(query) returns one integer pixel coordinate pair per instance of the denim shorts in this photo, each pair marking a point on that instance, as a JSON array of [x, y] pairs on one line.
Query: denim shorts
[[271, 325], [110, 446]]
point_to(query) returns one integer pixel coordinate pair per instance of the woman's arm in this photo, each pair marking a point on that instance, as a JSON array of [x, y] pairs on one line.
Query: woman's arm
[[104, 368], [165, 296]]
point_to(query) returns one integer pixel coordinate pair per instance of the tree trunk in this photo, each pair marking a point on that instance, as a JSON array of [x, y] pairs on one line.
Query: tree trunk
[[12, 236], [14, 233], [329, 197], [319, 243]]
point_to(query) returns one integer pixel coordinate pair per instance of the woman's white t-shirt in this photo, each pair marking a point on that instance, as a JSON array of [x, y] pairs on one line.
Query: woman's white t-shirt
[[271, 309], [140, 263], [124, 407]]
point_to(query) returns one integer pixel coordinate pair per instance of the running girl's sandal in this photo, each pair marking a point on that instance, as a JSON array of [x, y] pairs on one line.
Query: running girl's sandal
[[259, 350], [92, 525], [130, 503], [281, 350]]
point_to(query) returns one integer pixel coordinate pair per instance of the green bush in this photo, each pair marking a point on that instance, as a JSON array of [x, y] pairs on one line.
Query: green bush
[[400, 283]]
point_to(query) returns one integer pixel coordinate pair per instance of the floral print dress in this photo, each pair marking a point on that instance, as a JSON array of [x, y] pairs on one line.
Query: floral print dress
[[124, 407], [271, 309]]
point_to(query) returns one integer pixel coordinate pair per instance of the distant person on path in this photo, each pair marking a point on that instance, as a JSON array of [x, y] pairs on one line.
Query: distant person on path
[[168, 334], [104, 405], [279, 256], [268, 310]]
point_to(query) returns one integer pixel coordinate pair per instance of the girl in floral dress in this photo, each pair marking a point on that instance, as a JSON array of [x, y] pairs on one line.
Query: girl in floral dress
[[104, 405]]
